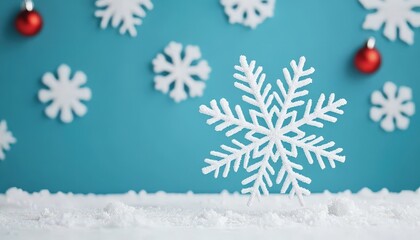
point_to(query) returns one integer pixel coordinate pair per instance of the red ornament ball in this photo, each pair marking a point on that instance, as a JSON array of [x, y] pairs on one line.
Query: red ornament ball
[[368, 58], [28, 23]]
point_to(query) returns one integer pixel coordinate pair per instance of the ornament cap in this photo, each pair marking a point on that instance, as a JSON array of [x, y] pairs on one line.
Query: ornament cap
[[371, 43], [28, 5]]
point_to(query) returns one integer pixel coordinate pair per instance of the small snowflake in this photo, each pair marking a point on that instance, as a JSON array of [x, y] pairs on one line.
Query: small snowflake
[[65, 94], [250, 13], [273, 131], [396, 106], [6, 138], [127, 13], [181, 72], [395, 14]]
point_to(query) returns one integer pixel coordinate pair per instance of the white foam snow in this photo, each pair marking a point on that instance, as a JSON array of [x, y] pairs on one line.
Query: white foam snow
[[362, 215]]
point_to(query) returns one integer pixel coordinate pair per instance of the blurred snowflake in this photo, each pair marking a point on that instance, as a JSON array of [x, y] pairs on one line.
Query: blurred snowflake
[[127, 13], [250, 13], [180, 71], [65, 94], [6, 138], [394, 108], [396, 15]]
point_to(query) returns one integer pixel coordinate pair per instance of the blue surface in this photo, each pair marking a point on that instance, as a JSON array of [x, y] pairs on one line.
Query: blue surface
[[134, 137]]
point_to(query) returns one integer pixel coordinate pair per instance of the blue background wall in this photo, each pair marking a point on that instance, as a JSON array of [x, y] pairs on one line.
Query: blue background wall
[[134, 137]]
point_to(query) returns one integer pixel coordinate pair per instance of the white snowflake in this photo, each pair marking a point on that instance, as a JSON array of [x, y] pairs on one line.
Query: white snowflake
[[274, 131], [127, 13], [248, 12], [65, 94], [396, 14], [396, 106], [181, 72], [6, 138]]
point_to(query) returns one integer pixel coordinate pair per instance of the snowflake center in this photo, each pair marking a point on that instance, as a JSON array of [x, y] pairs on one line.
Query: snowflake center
[[180, 72], [65, 93], [393, 107], [275, 135]]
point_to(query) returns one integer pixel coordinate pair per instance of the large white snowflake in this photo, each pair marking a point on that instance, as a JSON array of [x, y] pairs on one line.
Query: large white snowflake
[[65, 94], [6, 138], [181, 71], [127, 13], [250, 13], [394, 108], [396, 15], [274, 131]]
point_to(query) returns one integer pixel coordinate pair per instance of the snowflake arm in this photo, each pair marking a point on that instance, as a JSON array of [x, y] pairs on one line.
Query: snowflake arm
[[232, 154], [6, 139], [320, 112], [180, 71], [250, 13], [228, 119], [414, 17], [252, 82], [127, 13], [310, 145], [294, 84], [261, 179], [292, 178]]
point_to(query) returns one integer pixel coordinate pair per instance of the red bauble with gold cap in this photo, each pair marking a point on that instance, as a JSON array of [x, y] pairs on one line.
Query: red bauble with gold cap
[[368, 59], [28, 22]]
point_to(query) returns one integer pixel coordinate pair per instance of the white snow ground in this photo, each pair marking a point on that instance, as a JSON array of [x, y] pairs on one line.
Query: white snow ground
[[363, 215]]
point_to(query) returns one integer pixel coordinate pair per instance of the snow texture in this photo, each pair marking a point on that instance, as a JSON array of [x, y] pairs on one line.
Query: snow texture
[[124, 13], [396, 15], [6, 138], [65, 94], [250, 13], [365, 215], [394, 108], [181, 71], [274, 131]]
